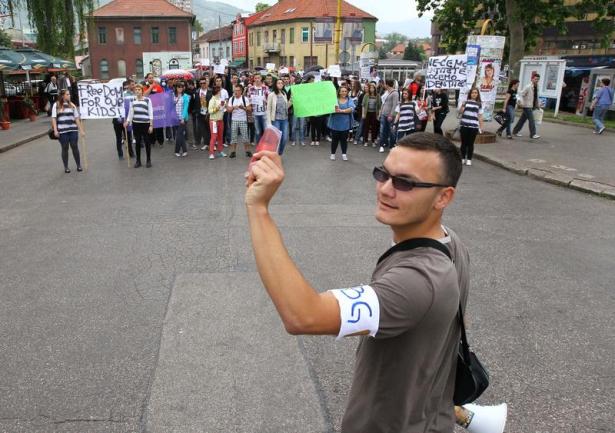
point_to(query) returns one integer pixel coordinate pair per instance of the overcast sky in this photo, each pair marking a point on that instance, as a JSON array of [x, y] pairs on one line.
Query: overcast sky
[[393, 15]]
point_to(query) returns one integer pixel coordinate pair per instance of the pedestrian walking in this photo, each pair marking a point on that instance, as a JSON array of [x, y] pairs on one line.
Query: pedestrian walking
[[390, 100], [141, 118], [67, 125], [181, 101], [470, 125], [258, 94], [122, 134], [238, 108], [201, 108], [216, 123], [340, 123], [510, 102], [439, 109], [356, 94], [603, 99], [371, 107], [190, 90], [51, 93], [405, 117], [278, 104], [528, 101]]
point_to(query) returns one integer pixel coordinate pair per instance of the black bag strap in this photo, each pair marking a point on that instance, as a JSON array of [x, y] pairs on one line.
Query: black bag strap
[[411, 244]]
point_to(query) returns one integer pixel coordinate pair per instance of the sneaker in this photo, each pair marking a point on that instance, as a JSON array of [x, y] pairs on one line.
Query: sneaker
[[509, 137], [601, 130], [206, 147], [193, 147], [178, 154], [365, 144], [232, 155], [312, 143], [303, 143], [185, 154], [381, 150], [487, 419], [137, 164], [248, 154], [373, 144], [79, 169], [329, 139], [535, 136], [518, 134], [211, 156], [469, 162], [332, 157], [317, 143], [595, 132], [463, 161], [221, 154], [148, 164], [67, 170], [344, 157], [224, 144], [499, 133], [293, 143], [355, 142]]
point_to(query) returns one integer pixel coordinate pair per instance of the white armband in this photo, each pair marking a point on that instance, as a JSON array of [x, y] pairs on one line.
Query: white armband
[[359, 311]]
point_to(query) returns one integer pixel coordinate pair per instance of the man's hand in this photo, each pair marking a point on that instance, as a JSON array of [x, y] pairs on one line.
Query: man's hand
[[264, 179]]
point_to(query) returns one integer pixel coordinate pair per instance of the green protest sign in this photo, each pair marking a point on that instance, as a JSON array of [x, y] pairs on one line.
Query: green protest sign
[[313, 99]]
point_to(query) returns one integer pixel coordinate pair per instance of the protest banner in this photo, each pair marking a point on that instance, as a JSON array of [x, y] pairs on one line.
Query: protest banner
[[164, 110], [314, 99], [446, 72], [283, 71], [100, 100], [334, 71], [270, 67], [219, 69]]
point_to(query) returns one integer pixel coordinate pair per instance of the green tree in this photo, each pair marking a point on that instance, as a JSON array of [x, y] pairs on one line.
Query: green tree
[[57, 22], [521, 21], [5, 40], [414, 52], [198, 27], [394, 39], [261, 6]]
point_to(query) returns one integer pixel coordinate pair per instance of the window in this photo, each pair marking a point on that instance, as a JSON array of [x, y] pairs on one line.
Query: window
[[251, 64], [310, 61], [104, 69], [258, 39], [139, 67], [119, 35], [305, 34], [283, 36], [251, 39], [291, 35], [291, 61], [258, 61], [283, 61], [172, 35], [228, 52], [136, 35], [121, 68], [155, 35], [102, 35], [275, 36], [266, 36]]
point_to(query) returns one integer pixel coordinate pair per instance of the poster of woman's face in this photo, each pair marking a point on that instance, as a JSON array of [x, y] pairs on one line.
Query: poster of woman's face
[[489, 79]]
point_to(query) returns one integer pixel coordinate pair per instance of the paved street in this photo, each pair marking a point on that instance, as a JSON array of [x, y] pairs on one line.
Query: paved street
[[131, 303]]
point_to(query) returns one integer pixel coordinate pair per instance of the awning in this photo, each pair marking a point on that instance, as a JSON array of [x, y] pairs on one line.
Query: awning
[[36, 59], [9, 60], [236, 63]]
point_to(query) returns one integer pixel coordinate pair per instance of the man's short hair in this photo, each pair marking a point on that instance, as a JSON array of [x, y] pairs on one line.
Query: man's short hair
[[389, 82], [449, 154], [606, 81]]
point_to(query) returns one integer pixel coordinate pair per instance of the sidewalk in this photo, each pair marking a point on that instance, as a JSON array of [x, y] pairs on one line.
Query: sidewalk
[[565, 155], [23, 131]]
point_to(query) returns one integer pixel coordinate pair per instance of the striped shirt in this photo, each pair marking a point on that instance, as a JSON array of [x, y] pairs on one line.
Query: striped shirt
[[141, 111], [406, 111], [472, 110], [66, 119], [179, 106]]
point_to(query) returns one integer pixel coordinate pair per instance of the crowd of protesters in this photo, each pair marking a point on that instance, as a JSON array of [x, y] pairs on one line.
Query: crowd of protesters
[[223, 111]]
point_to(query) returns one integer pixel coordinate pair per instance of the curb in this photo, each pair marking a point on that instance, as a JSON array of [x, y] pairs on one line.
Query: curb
[[595, 188], [24, 141], [580, 125]]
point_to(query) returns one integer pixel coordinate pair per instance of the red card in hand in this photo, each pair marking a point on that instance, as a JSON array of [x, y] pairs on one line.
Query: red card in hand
[[270, 141]]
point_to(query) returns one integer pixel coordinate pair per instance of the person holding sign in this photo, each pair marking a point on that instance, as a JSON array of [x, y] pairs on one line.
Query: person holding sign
[[340, 123], [216, 123], [471, 124], [66, 126], [278, 104], [141, 117]]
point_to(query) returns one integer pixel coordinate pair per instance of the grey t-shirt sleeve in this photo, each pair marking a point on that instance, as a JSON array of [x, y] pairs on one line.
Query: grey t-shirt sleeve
[[405, 295]]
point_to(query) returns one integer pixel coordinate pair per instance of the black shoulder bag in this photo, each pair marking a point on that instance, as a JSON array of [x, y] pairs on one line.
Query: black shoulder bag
[[472, 378]]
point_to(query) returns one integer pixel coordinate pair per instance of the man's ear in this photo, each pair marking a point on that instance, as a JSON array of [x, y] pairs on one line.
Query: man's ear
[[445, 198]]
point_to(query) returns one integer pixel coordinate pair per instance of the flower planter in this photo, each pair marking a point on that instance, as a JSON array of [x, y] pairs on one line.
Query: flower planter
[[5, 125], [32, 117]]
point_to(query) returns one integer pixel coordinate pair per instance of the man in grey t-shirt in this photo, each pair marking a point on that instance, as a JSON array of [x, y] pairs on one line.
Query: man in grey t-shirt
[[407, 315]]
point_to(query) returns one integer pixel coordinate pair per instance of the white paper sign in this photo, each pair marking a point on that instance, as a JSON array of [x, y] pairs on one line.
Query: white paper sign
[[219, 69], [366, 72], [283, 71], [204, 62], [270, 67], [334, 71], [100, 100], [446, 72], [224, 62]]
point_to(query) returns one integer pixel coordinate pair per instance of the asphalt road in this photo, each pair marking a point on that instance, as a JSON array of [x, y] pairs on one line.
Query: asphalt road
[[130, 301]]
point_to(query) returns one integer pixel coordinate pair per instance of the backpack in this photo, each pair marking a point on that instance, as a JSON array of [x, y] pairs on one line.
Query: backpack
[[243, 98]]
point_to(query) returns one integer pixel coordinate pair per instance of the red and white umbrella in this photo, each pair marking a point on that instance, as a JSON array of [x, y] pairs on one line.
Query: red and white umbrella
[[177, 73]]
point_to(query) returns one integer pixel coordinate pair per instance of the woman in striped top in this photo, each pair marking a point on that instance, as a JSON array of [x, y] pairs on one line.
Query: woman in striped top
[[67, 125], [141, 117], [471, 124], [406, 111]]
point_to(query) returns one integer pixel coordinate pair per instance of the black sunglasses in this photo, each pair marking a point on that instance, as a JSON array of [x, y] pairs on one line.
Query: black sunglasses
[[401, 183]]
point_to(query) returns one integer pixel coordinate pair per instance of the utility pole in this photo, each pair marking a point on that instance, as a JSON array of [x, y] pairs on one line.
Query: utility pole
[[311, 44], [338, 31], [219, 35]]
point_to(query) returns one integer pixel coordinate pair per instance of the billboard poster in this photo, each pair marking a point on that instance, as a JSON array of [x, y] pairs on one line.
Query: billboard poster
[[323, 30], [159, 62], [488, 79], [352, 30]]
